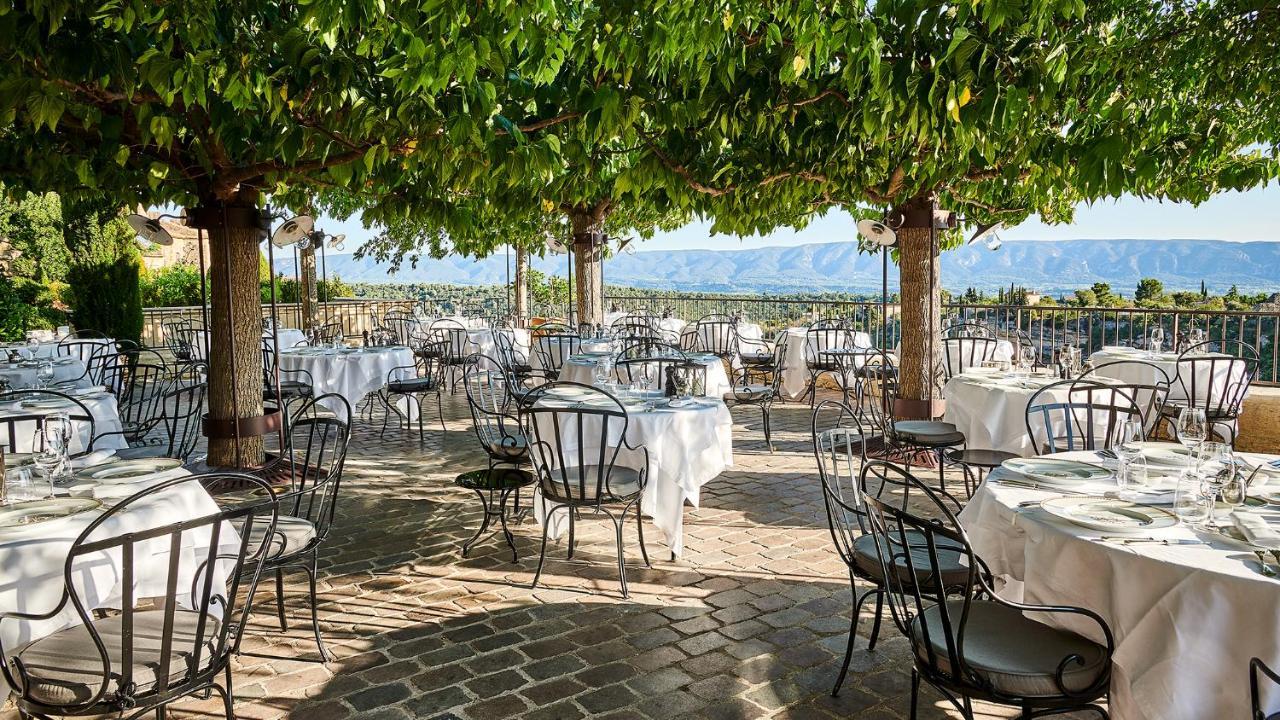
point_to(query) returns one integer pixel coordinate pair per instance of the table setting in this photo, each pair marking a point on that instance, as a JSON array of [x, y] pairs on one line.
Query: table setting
[[351, 372], [1176, 546], [595, 367], [100, 403], [989, 406], [1167, 362], [689, 442]]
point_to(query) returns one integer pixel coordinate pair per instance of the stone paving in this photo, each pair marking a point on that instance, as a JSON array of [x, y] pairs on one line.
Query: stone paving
[[750, 623]]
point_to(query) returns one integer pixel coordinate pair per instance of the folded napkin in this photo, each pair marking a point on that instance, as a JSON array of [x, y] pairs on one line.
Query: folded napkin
[[97, 457], [1256, 529]]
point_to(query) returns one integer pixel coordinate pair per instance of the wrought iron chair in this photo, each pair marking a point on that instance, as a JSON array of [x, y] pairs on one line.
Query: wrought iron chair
[[760, 395], [655, 361], [315, 456], [127, 657], [553, 348], [903, 438], [1150, 395], [1216, 381], [31, 409], [497, 427], [138, 388], [718, 335], [184, 342], [576, 433], [329, 332], [967, 642], [1089, 417], [633, 325], [839, 452], [295, 385], [757, 358], [173, 432], [450, 337], [968, 329], [413, 383], [821, 336], [510, 359], [86, 351], [1258, 669], [401, 324]]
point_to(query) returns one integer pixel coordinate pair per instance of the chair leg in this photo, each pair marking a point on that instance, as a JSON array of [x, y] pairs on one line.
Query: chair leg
[[325, 655], [228, 696], [484, 524], [915, 692], [875, 627], [573, 514], [768, 437], [440, 410], [422, 435], [622, 569], [502, 518], [853, 635], [542, 554], [640, 532], [284, 626]]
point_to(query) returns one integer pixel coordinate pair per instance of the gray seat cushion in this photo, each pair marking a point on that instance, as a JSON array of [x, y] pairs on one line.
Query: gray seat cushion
[[1014, 654], [288, 388], [411, 385], [953, 572], [65, 668], [623, 484], [291, 535], [928, 432], [749, 393]]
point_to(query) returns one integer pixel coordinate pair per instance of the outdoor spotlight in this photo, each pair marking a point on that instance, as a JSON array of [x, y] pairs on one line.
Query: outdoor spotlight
[[877, 232], [292, 231], [149, 229]]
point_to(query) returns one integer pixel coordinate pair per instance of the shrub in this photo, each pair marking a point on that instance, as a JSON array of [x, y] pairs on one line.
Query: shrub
[[105, 293], [172, 286]]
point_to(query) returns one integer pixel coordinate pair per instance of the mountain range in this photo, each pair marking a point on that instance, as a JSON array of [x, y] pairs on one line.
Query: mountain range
[[1047, 266]]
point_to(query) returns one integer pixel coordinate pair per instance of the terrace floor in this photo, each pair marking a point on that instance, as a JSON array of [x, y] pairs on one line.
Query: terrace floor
[[750, 623]]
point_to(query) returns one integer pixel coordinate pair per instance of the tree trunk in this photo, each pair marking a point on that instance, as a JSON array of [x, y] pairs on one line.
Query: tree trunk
[[308, 295], [919, 356], [235, 348], [588, 266], [522, 286]]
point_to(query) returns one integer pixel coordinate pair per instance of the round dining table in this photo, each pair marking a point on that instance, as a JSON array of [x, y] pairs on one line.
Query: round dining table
[[485, 342], [990, 408], [688, 446], [351, 373], [1223, 373], [33, 558], [795, 363], [580, 368], [1188, 607], [287, 338]]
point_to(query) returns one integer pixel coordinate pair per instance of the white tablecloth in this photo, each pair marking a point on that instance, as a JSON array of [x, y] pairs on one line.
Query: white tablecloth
[[1186, 618], [50, 349], [106, 419], [21, 377], [694, 338], [32, 561], [795, 366], [581, 369], [688, 447], [1168, 362], [991, 409], [484, 341], [288, 337], [351, 373]]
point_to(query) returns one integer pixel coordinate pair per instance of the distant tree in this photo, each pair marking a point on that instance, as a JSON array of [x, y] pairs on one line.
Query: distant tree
[[105, 270], [33, 226], [1187, 298], [1104, 297], [1150, 291], [1086, 298], [1204, 291]]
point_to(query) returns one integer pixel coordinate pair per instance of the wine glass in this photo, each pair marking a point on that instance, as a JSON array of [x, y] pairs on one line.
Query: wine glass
[[646, 376], [1028, 357], [33, 347], [601, 372], [1190, 428], [51, 452], [1235, 486], [1215, 464], [1155, 340], [44, 374], [1128, 449]]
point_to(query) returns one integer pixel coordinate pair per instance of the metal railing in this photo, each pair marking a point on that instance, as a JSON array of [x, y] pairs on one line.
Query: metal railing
[[1048, 327]]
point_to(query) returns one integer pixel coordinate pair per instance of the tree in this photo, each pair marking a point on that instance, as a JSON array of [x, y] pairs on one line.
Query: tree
[[1104, 297], [32, 225], [212, 106], [995, 110], [1150, 292], [104, 276]]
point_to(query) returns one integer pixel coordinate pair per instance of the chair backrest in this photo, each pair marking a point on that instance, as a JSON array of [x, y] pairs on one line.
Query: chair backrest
[[196, 562], [1258, 670], [451, 336], [913, 526], [86, 334], [138, 388], [575, 434], [878, 390], [1214, 376], [509, 357], [317, 454], [179, 338], [83, 350], [631, 367], [20, 428], [839, 451], [1078, 415], [554, 348], [825, 335], [401, 324], [268, 363], [493, 417], [181, 410], [965, 351], [1145, 382], [717, 335], [329, 332], [634, 325]]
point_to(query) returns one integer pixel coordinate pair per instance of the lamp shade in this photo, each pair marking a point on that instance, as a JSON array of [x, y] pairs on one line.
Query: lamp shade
[[877, 232], [149, 229], [989, 234], [337, 242], [292, 231]]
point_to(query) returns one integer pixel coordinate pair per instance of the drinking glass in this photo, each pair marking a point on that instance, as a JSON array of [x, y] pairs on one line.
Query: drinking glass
[[1235, 488], [44, 374], [646, 376], [51, 452], [1128, 449], [1189, 502], [1191, 428], [1215, 464], [1156, 340], [21, 486], [601, 372], [1028, 357]]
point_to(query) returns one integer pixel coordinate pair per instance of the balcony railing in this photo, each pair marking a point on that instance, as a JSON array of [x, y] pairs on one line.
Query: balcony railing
[[1048, 327]]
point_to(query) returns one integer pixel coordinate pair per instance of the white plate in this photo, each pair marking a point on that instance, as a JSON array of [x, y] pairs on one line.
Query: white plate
[[27, 514], [1165, 454], [1111, 515], [1055, 471], [51, 404], [127, 471]]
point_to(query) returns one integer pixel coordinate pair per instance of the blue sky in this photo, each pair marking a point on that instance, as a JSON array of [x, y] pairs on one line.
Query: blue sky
[[1252, 215]]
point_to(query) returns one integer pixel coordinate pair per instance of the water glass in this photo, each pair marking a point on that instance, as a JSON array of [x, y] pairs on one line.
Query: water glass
[[21, 486], [1191, 428], [1155, 340], [1189, 501], [44, 374]]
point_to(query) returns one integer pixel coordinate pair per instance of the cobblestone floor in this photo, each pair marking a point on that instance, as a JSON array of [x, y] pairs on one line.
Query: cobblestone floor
[[750, 623]]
